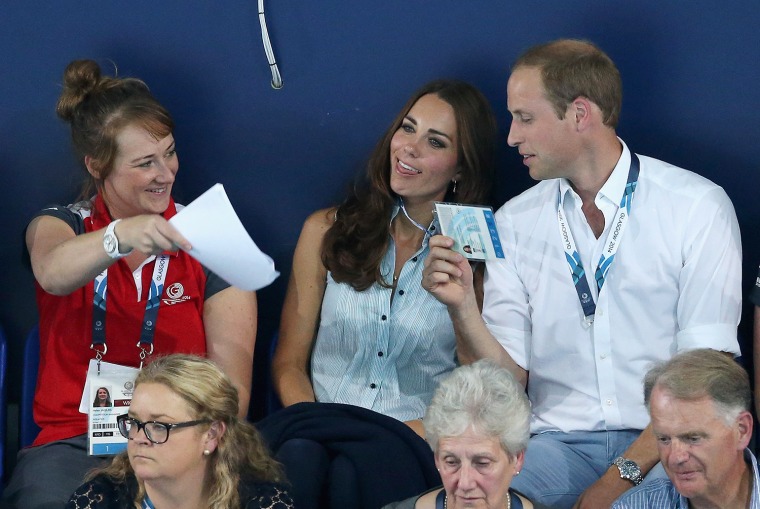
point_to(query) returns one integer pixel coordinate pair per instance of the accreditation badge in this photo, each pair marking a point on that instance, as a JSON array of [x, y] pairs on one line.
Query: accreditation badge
[[107, 395], [473, 229]]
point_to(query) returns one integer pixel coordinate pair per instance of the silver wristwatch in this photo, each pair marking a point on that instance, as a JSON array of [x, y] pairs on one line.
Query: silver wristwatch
[[628, 470], [111, 243]]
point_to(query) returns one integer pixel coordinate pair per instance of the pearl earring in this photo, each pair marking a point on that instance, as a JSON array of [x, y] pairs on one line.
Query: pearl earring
[[206, 452], [454, 191]]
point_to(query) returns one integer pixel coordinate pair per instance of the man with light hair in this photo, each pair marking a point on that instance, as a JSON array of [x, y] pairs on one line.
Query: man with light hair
[[613, 261], [699, 405]]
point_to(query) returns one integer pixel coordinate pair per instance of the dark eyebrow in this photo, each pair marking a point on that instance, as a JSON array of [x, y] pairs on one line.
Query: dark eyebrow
[[433, 131], [410, 119], [439, 133], [142, 158]]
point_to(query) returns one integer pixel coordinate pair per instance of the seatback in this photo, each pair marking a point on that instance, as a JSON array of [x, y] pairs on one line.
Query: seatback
[[28, 429], [3, 402]]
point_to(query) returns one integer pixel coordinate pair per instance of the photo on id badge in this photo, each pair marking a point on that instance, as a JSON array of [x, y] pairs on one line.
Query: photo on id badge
[[110, 396]]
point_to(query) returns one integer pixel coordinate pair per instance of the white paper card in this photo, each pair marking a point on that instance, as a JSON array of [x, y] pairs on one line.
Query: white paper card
[[221, 243]]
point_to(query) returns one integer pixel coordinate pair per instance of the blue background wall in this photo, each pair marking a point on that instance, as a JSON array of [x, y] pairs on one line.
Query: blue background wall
[[691, 97]]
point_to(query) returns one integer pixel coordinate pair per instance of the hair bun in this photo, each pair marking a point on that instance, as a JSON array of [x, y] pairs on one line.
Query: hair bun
[[79, 79]]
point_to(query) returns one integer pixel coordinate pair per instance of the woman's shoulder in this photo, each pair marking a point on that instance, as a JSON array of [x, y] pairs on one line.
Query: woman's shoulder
[[525, 502], [98, 493], [316, 225], [264, 495], [425, 500], [322, 218], [73, 215]]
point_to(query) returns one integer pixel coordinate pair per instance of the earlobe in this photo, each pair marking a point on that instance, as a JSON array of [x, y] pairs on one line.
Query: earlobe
[[92, 166], [582, 111], [519, 460], [213, 434], [744, 428]]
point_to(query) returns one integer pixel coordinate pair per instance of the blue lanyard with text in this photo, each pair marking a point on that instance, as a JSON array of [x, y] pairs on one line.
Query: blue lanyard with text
[[611, 244], [145, 344], [147, 503]]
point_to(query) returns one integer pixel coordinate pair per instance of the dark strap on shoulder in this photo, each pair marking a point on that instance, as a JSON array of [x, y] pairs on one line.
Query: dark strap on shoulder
[[440, 499], [516, 502], [65, 214]]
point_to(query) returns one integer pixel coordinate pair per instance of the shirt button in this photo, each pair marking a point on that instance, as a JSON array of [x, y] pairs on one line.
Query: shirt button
[[383, 318], [401, 292], [603, 356], [379, 354], [414, 259], [609, 402], [372, 386]]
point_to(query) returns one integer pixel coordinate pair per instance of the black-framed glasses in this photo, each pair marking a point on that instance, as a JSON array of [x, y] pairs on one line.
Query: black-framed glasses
[[155, 431]]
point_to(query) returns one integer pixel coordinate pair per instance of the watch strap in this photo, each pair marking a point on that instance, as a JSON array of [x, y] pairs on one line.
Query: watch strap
[[111, 242], [629, 470]]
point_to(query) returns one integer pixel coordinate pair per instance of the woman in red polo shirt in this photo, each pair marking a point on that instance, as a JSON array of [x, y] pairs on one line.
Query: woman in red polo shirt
[[112, 277]]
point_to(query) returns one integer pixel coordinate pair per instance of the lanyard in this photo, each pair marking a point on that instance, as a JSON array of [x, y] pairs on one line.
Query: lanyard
[[147, 503], [611, 244], [149, 318]]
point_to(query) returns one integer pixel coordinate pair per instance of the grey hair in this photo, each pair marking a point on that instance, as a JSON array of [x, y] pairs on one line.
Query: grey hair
[[695, 374], [486, 398]]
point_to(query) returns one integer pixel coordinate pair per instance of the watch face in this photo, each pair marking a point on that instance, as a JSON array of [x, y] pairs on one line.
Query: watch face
[[629, 470], [109, 242]]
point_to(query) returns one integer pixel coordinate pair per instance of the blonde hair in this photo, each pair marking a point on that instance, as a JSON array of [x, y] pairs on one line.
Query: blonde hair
[[694, 374], [210, 396]]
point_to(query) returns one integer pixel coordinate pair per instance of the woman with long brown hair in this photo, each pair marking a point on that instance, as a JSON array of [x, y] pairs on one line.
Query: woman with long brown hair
[[357, 328]]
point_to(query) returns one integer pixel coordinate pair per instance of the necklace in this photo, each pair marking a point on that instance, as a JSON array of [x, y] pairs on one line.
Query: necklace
[[415, 223], [446, 501]]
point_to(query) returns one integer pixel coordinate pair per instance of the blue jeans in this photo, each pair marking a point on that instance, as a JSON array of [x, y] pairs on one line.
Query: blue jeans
[[560, 466]]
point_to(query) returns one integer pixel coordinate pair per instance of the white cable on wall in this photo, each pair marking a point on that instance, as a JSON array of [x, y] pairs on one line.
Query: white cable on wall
[[276, 78]]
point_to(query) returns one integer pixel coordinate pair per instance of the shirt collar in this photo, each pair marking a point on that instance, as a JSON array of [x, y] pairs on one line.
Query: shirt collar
[[754, 498], [614, 187], [394, 212], [434, 228]]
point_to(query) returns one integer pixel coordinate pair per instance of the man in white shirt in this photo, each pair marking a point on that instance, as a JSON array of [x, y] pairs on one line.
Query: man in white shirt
[[613, 261], [699, 402]]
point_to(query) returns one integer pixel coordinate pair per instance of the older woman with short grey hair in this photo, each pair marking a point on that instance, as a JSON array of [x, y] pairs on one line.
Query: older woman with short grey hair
[[477, 426]]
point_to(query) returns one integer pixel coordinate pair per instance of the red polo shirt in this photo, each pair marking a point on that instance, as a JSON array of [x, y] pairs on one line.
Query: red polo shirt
[[66, 325]]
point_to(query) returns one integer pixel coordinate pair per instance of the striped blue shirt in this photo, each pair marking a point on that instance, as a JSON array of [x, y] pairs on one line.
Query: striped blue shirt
[[661, 494], [382, 355]]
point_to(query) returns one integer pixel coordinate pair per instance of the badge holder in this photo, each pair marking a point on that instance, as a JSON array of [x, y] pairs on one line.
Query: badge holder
[[107, 395], [473, 229]]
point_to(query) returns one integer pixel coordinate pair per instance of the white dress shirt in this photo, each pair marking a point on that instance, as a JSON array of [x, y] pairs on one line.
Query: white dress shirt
[[675, 284]]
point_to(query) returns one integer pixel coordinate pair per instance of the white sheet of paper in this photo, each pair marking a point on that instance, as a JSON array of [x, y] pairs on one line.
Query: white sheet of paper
[[221, 243]]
